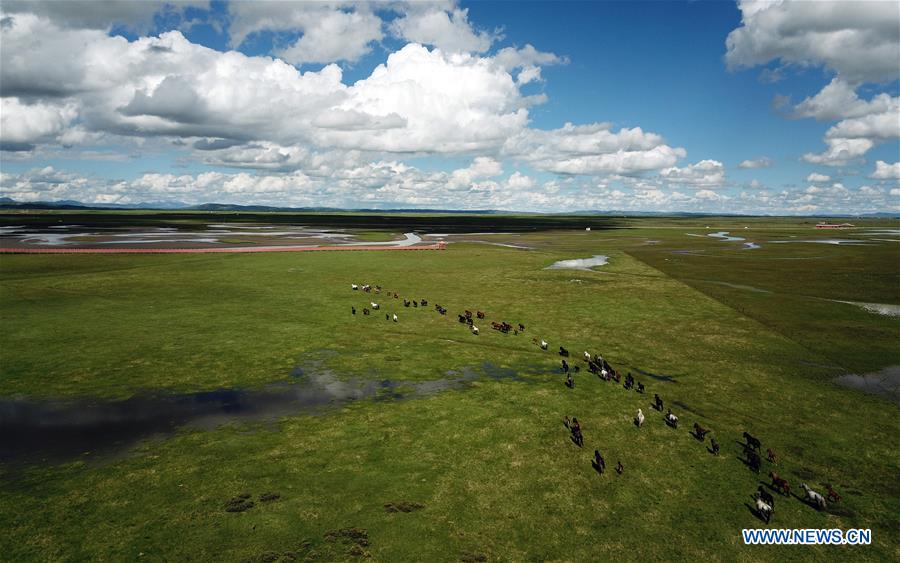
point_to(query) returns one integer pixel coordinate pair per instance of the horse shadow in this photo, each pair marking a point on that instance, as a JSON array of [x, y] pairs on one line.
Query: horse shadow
[[597, 467], [576, 441], [771, 487], [698, 437], [755, 512], [749, 465], [710, 450], [747, 449], [808, 502]]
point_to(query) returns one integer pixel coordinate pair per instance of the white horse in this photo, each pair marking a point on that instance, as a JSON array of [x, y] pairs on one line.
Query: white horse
[[544, 344], [395, 318], [763, 509], [374, 305], [639, 418], [475, 330], [587, 356], [604, 373], [673, 420], [354, 287], [814, 497]]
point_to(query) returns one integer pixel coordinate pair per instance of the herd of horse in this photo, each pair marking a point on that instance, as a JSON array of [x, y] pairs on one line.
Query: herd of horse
[[598, 365], [765, 503]]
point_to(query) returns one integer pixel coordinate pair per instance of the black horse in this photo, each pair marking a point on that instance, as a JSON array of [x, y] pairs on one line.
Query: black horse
[[577, 436], [599, 463], [765, 496], [752, 442]]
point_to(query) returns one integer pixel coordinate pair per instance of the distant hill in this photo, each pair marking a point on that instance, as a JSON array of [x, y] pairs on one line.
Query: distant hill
[[9, 203]]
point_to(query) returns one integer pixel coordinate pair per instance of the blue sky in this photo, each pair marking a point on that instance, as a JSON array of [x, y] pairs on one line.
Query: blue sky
[[468, 106]]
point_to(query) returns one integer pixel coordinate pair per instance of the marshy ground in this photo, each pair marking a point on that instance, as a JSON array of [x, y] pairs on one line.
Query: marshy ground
[[258, 419]]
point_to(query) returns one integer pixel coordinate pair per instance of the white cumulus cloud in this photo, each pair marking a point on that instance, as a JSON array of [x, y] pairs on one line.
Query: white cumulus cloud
[[859, 40], [592, 149], [23, 124], [706, 173], [329, 31], [761, 162], [102, 14], [481, 167], [886, 171], [447, 29], [335, 36]]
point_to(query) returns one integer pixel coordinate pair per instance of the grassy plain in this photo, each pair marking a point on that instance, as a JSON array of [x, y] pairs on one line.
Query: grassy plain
[[491, 464]]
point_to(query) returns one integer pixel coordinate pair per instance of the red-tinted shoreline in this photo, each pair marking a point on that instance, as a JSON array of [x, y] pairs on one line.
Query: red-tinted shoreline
[[228, 250]]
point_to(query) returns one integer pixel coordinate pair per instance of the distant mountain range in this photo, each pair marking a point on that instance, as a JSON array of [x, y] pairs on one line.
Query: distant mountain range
[[9, 203]]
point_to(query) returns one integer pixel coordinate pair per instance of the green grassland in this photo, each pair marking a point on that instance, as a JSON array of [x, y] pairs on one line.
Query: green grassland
[[491, 464]]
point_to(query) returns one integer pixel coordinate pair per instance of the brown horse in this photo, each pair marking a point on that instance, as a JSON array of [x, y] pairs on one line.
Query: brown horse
[[779, 484], [832, 495], [770, 455], [700, 432]]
